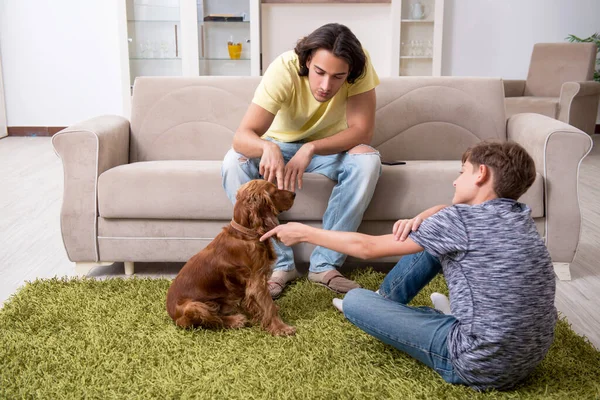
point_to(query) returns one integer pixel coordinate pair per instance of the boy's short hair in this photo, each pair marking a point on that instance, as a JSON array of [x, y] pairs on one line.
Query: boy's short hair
[[340, 41], [512, 167]]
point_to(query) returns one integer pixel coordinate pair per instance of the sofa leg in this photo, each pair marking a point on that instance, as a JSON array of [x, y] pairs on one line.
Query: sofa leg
[[562, 271], [128, 267], [83, 268]]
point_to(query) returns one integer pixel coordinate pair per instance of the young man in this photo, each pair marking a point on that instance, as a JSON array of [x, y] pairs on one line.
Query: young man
[[497, 268], [313, 111]]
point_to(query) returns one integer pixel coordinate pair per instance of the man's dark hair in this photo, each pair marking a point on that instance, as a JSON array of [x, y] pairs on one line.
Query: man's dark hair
[[513, 168], [340, 41]]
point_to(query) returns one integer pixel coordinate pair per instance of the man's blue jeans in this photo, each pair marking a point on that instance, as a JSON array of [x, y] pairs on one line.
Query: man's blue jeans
[[421, 332], [356, 176]]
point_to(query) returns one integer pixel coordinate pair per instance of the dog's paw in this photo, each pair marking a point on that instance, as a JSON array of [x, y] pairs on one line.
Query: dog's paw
[[282, 330], [235, 321]]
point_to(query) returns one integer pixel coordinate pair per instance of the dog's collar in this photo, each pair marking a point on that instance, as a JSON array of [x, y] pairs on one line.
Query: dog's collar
[[244, 230]]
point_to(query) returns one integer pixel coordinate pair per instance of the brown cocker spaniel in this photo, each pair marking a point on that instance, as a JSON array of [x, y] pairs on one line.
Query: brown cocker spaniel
[[226, 282]]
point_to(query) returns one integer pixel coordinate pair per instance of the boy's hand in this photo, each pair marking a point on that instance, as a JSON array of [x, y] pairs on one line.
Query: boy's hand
[[403, 227], [289, 234]]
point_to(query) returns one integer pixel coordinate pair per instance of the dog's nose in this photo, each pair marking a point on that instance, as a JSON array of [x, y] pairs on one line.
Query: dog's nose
[[294, 194]]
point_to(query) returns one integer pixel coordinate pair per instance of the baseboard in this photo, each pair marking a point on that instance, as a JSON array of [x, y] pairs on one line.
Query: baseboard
[[51, 130], [33, 130]]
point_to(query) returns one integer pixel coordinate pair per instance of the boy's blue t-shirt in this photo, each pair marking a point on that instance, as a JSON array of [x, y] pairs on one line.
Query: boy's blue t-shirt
[[502, 287]]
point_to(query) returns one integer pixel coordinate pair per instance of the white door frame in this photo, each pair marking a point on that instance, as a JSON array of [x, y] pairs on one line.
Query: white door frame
[[124, 56], [255, 38], [3, 128]]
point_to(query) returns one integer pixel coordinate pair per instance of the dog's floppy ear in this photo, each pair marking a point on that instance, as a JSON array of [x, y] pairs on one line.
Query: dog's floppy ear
[[254, 208], [263, 213]]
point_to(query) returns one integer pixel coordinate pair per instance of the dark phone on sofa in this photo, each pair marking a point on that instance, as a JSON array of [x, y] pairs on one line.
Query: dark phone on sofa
[[393, 162]]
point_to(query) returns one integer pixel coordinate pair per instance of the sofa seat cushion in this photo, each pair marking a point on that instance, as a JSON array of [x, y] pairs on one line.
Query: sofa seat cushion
[[176, 189], [173, 189], [180, 190], [528, 104], [403, 191]]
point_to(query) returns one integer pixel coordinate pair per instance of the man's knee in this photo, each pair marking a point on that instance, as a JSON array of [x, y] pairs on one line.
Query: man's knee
[[233, 156], [362, 149], [367, 160], [234, 161]]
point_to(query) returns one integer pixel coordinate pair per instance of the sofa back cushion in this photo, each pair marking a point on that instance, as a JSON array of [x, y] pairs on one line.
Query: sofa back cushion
[[417, 118], [553, 64], [181, 118], [437, 118]]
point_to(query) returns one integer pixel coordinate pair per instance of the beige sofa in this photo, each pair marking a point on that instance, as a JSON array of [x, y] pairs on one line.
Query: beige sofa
[[150, 189], [559, 84]]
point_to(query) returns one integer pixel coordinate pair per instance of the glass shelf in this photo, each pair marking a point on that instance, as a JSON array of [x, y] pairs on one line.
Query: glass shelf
[[417, 57], [224, 59], [179, 59], [417, 21], [155, 58], [223, 22], [157, 5], [154, 20]]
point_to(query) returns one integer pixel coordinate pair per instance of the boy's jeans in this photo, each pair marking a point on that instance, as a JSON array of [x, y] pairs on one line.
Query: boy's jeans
[[356, 176], [421, 332]]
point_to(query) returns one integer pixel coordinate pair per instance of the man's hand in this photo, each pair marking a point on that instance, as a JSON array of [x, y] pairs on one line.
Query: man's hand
[[403, 227], [289, 234], [294, 169], [271, 165]]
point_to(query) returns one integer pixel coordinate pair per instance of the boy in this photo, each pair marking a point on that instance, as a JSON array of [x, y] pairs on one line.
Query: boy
[[497, 268]]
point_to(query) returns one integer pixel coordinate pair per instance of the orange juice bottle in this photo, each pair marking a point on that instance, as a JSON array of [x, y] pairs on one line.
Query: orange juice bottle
[[235, 49]]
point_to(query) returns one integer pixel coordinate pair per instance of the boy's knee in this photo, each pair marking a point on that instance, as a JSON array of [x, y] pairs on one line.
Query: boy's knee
[[354, 299]]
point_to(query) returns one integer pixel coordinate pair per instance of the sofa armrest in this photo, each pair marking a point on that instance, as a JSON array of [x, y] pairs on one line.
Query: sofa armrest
[[578, 104], [87, 149], [513, 87], [557, 149]]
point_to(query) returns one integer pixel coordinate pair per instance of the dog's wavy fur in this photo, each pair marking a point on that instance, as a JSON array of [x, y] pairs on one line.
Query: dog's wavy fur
[[226, 282]]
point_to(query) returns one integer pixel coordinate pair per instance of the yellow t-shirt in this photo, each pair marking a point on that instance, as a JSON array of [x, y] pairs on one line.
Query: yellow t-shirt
[[298, 116]]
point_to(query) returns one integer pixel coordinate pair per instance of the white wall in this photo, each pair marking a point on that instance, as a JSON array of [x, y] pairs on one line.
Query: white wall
[[496, 37], [3, 126], [371, 23], [60, 60]]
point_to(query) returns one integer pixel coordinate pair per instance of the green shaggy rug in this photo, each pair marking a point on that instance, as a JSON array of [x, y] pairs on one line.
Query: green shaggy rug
[[113, 339]]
